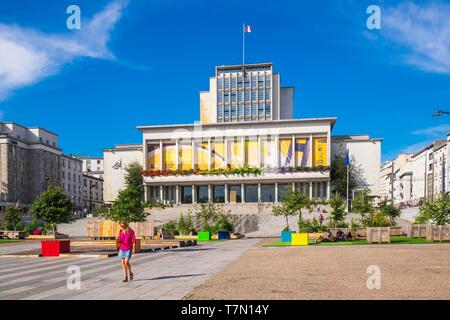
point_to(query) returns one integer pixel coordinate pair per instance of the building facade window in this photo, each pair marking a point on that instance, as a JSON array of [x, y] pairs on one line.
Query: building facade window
[[251, 193]]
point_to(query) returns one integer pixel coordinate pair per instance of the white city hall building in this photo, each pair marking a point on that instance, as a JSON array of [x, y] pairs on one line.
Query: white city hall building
[[245, 149]]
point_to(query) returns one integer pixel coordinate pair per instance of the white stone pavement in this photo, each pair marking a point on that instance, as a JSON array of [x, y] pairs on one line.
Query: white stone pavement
[[168, 275]]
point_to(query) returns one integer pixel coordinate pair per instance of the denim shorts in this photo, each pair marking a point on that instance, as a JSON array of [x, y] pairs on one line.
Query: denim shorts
[[125, 254]]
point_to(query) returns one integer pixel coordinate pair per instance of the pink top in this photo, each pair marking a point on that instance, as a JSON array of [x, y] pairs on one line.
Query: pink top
[[126, 240]]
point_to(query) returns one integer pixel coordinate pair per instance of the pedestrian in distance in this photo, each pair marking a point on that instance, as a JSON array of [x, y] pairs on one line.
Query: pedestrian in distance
[[125, 241]]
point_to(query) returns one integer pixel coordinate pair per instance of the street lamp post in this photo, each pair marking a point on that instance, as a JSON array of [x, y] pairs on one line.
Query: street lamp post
[[90, 195]]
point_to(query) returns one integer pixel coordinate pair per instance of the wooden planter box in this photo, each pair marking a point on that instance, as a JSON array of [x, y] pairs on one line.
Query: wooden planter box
[[204, 236], [438, 233], [396, 231], [167, 235], [300, 239], [361, 233], [286, 236], [53, 248], [417, 230], [102, 229], [223, 235], [379, 235], [137, 246]]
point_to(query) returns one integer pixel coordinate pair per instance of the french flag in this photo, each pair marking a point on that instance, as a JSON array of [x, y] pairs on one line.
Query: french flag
[[248, 28]]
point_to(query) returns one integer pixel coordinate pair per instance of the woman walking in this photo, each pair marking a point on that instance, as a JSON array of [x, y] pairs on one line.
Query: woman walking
[[126, 241]]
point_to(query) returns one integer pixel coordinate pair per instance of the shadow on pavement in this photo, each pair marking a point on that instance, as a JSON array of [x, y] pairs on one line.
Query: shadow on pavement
[[171, 277]]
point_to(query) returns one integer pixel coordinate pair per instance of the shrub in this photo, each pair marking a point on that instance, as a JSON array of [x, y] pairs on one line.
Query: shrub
[[169, 226], [53, 207], [13, 218], [128, 207], [437, 212]]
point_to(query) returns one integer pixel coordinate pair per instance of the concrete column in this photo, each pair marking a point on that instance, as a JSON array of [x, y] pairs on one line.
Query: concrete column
[[145, 166], [145, 193], [161, 193], [293, 163], [277, 152], [242, 193], [210, 195], [225, 143], [161, 156], [177, 154], [209, 154], [310, 189], [328, 190], [243, 151], [194, 194], [276, 191], [310, 150], [259, 192], [329, 147], [259, 152], [194, 154], [226, 193], [293, 186], [177, 194]]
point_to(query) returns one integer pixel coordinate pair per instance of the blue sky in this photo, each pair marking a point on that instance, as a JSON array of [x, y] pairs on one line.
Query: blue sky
[[143, 62]]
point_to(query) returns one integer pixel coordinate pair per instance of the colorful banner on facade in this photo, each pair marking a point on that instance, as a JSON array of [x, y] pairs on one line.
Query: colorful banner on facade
[[169, 157], [251, 153], [285, 152], [185, 157], [154, 157], [320, 152], [235, 154], [268, 153], [301, 152], [201, 150], [218, 154]]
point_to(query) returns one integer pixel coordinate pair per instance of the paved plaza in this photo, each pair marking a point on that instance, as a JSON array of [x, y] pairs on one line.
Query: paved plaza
[[170, 274], [333, 272]]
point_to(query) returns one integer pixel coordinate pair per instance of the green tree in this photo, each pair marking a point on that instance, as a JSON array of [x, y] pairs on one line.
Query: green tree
[[181, 223], [338, 205], [13, 217], [292, 205], [53, 207], [338, 174], [189, 223], [363, 203], [208, 213], [390, 211], [128, 206], [437, 212], [133, 178]]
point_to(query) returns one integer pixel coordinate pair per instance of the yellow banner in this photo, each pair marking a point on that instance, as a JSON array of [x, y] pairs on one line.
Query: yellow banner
[[320, 152]]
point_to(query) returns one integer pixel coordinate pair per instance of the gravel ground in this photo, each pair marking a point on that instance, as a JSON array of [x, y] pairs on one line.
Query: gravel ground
[[333, 272]]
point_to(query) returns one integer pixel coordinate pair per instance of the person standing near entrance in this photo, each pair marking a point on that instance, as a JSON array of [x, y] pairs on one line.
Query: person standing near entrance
[[321, 219], [126, 240]]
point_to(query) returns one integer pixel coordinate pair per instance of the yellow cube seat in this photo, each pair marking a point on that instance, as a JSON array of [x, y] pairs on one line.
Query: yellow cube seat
[[300, 239]]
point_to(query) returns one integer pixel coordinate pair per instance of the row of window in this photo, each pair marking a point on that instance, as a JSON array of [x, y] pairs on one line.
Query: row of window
[[247, 96], [237, 194], [240, 83], [241, 110]]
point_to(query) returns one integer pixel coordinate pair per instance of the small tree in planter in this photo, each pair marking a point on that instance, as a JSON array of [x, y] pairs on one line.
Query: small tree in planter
[[128, 207], [389, 210], [13, 217], [437, 212], [208, 214], [362, 204], [338, 214], [53, 207]]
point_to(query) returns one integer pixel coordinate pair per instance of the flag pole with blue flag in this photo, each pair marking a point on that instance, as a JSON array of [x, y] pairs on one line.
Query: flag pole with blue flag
[[347, 164]]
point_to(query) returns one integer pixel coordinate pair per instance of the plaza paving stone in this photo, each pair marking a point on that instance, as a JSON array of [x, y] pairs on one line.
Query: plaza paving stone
[[170, 274]]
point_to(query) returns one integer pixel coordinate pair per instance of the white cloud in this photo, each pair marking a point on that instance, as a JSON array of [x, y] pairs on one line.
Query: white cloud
[[424, 30], [27, 56], [435, 131]]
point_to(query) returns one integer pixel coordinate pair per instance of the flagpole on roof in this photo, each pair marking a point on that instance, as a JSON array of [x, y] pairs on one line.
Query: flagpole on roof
[[243, 45]]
